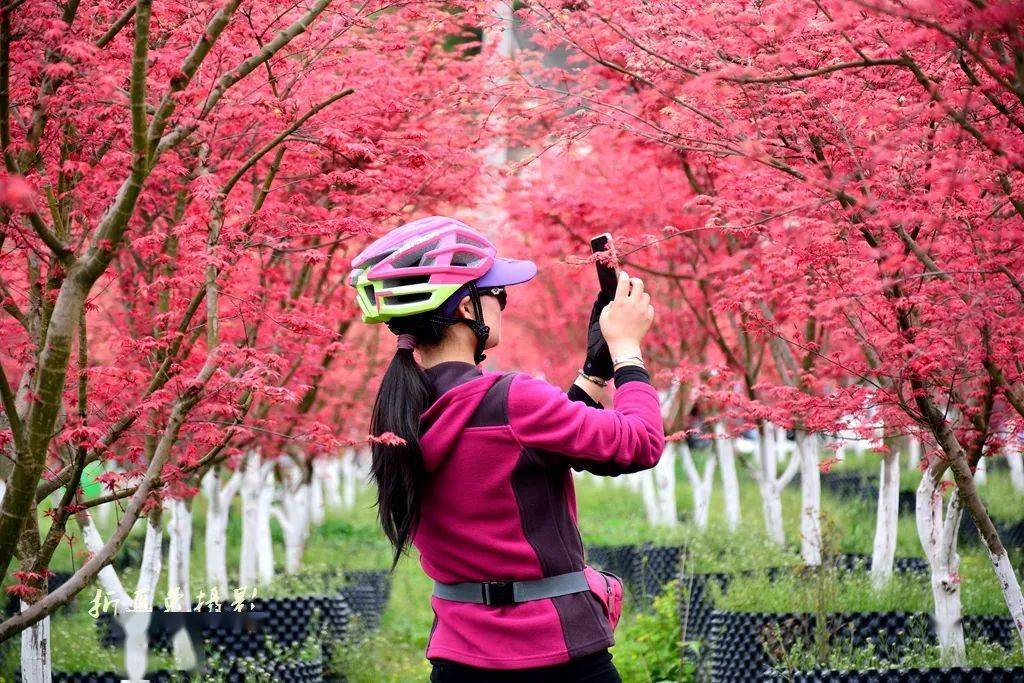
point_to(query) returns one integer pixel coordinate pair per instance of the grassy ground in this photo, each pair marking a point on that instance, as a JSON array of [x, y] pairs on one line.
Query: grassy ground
[[647, 643]]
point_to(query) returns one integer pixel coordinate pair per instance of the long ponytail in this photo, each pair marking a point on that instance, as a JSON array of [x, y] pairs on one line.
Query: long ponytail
[[398, 470]]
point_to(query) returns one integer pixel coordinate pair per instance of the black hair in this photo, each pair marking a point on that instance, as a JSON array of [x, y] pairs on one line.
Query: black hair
[[403, 396]]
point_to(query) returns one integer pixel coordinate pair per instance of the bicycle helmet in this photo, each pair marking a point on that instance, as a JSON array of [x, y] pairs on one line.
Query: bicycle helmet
[[420, 271]]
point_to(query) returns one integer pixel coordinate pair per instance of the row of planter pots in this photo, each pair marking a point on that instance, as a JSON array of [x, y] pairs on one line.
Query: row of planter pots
[[954, 675], [746, 646], [240, 671], [750, 646], [285, 621], [241, 637], [695, 609]]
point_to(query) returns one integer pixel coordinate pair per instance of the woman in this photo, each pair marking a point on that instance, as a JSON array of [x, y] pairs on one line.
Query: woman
[[482, 485]]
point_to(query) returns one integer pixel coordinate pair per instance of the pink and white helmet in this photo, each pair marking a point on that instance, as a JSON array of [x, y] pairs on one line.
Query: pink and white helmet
[[417, 267]]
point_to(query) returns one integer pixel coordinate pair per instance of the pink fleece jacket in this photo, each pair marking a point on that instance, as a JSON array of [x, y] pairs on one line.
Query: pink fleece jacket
[[499, 504]]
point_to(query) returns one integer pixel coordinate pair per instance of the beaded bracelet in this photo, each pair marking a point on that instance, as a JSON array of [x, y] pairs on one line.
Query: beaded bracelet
[[596, 380]]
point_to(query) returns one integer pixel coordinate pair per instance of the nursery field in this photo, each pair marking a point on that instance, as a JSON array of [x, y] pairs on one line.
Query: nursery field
[[667, 629]]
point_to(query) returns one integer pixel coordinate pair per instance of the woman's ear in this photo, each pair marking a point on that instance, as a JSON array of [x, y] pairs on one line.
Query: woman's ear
[[465, 308]]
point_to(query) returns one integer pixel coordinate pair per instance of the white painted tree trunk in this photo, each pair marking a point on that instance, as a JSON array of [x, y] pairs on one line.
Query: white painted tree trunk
[[645, 480], [1010, 587], [939, 539], [350, 476], [664, 474], [883, 554], [1016, 464], [265, 554], [331, 479], [730, 482], [981, 471], [256, 549], [107, 577], [152, 561], [317, 509], [700, 484], [35, 651], [135, 624], [218, 507], [914, 449], [179, 552], [810, 498], [770, 484], [293, 514]]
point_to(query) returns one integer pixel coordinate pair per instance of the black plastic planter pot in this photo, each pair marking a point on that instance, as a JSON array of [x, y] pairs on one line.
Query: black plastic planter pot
[[286, 672], [957, 675], [695, 608], [746, 645], [286, 621], [618, 559], [644, 568]]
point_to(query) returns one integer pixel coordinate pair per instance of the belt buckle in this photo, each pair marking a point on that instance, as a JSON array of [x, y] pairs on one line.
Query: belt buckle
[[498, 593]]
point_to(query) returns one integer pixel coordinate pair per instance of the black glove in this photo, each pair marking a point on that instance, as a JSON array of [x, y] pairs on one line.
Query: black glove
[[599, 358]]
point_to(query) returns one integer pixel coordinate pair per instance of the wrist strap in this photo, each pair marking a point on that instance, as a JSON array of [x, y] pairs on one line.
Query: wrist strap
[[596, 380]]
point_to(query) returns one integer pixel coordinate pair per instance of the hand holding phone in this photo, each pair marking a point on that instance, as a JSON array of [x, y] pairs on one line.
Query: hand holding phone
[[607, 277], [599, 360]]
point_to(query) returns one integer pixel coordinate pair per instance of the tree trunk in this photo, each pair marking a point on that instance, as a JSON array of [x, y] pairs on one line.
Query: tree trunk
[[1016, 464], [217, 510], [108, 579], [810, 498], [293, 514], [914, 449], [35, 651], [316, 496], [981, 471], [664, 474], [939, 539], [350, 473], [331, 478], [152, 560], [730, 482], [254, 480], [179, 553], [700, 484], [883, 555], [645, 480], [35, 640], [265, 551], [768, 483]]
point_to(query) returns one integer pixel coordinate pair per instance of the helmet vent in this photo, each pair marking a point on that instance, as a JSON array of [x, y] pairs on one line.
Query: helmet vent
[[465, 259], [412, 280], [413, 257], [465, 239], [408, 298]]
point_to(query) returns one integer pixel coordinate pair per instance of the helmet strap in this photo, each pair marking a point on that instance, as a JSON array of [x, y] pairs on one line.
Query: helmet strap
[[477, 325], [480, 330]]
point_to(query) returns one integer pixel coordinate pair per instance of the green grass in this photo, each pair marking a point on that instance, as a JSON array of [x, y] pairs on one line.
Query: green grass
[[841, 591]]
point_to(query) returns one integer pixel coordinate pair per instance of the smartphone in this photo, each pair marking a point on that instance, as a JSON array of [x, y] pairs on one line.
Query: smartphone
[[606, 275]]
